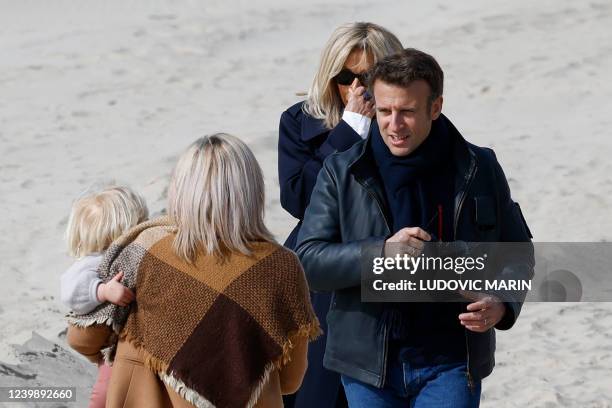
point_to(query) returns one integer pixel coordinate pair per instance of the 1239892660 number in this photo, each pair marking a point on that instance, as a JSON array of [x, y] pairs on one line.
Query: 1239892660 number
[[31, 394]]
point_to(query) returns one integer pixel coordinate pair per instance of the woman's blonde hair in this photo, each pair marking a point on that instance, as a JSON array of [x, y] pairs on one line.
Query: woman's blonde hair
[[98, 218], [217, 199], [323, 100]]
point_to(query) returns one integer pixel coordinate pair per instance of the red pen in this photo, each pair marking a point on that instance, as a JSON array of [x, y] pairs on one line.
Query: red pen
[[440, 223]]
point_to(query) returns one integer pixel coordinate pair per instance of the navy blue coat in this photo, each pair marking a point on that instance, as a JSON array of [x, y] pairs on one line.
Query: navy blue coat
[[303, 144]]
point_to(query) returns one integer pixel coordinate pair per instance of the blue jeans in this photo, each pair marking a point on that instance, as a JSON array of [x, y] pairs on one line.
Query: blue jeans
[[434, 385]]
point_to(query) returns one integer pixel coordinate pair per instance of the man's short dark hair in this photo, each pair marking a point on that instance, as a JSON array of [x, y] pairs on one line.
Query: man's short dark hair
[[407, 66]]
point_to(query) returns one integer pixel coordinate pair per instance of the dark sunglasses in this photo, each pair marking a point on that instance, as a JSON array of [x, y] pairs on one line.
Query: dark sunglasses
[[346, 77]]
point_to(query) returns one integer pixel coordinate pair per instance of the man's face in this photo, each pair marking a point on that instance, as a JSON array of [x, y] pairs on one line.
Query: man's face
[[403, 115]]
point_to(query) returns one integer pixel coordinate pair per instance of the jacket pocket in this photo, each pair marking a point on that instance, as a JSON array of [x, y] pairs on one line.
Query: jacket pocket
[[485, 215]]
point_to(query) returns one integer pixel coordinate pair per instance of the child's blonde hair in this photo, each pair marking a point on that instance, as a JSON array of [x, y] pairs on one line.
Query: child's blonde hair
[[97, 219]]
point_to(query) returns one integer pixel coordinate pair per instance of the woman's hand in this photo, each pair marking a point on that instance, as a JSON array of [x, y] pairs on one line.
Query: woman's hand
[[357, 102]]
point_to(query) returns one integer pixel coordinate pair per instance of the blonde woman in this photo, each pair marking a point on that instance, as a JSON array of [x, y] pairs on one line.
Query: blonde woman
[[222, 315], [335, 115]]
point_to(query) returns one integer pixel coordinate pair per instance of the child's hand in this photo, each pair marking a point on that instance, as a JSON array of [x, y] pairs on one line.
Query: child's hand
[[115, 292]]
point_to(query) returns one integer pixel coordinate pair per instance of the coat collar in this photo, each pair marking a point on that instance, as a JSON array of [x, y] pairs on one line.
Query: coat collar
[[312, 127]]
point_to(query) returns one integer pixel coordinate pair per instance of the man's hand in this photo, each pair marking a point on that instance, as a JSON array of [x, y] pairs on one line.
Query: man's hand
[[356, 101], [408, 240], [484, 313], [114, 292]]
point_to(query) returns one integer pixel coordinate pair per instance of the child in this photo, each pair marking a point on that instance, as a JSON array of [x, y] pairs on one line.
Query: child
[[95, 221]]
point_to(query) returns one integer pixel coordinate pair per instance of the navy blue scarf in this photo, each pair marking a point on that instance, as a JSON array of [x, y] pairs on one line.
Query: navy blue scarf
[[420, 189], [419, 185]]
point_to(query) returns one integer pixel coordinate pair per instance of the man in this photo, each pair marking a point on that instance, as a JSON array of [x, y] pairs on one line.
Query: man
[[414, 167]]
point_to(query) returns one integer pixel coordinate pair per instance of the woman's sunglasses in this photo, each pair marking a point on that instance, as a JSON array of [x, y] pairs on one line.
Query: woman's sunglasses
[[346, 77]]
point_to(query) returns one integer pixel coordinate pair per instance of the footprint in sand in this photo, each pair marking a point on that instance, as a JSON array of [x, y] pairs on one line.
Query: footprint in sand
[[63, 222], [80, 114], [10, 167], [540, 326], [121, 51], [162, 17], [265, 143], [26, 184], [500, 22]]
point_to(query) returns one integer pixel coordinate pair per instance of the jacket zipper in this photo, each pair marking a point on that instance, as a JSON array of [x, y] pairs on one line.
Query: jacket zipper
[[470, 379], [471, 171], [373, 196], [385, 328], [470, 177], [385, 351]]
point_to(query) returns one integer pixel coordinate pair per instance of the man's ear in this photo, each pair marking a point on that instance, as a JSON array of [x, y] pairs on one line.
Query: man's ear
[[436, 107]]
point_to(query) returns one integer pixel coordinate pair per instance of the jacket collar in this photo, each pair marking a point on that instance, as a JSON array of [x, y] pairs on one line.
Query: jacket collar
[[366, 173], [311, 128]]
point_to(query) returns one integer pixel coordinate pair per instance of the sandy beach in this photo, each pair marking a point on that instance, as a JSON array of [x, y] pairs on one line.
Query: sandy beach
[[114, 91]]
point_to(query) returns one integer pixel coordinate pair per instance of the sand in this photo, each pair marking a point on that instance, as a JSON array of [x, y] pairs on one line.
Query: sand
[[115, 91]]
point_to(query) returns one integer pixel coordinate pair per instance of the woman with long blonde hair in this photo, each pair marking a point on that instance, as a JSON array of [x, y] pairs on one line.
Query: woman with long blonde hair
[[336, 114], [222, 315]]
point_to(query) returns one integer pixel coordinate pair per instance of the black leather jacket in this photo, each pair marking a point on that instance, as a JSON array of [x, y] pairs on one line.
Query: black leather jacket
[[348, 210]]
